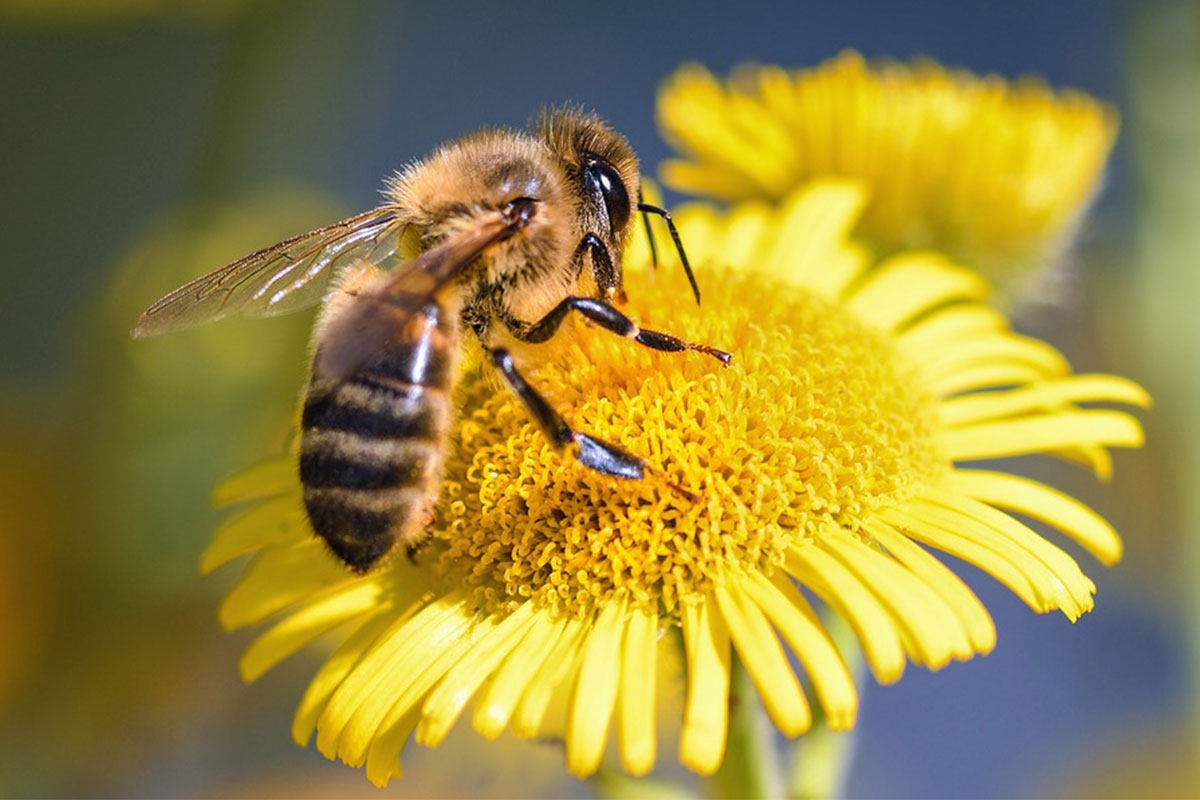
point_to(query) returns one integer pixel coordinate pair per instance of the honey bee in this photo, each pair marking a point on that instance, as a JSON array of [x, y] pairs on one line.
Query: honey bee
[[500, 234]]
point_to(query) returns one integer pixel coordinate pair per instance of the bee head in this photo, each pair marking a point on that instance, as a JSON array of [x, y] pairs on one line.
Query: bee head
[[603, 175]]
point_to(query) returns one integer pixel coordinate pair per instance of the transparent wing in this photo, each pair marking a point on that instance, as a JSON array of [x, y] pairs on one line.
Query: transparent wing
[[284, 277]]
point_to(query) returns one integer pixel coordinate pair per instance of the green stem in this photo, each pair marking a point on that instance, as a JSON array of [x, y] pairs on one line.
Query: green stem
[[820, 760], [751, 765]]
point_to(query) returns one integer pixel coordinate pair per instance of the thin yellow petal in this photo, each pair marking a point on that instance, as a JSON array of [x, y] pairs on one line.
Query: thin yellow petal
[[950, 325], [278, 577], [445, 703], [1044, 396], [984, 376], [745, 230], [495, 709], [764, 660], [992, 352], [842, 589], [319, 615], [706, 709], [636, 737], [1041, 502], [562, 663], [932, 627], [268, 478], [1041, 433], [274, 521], [810, 244], [800, 627], [1076, 586], [387, 738], [383, 761], [699, 229], [1049, 590], [976, 621], [336, 668], [355, 710], [595, 691], [696, 179], [907, 285], [942, 534]]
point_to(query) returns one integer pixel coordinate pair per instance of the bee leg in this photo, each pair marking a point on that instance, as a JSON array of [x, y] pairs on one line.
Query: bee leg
[[592, 453], [610, 319], [603, 270]]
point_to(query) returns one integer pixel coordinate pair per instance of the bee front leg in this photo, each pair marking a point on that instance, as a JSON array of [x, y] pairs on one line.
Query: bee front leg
[[610, 319], [592, 453]]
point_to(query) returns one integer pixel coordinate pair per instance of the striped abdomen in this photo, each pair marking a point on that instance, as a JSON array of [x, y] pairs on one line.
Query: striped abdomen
[[371, 444]]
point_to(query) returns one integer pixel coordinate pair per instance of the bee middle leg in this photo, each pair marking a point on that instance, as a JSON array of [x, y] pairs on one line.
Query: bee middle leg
[[611, 319], [592, 453]]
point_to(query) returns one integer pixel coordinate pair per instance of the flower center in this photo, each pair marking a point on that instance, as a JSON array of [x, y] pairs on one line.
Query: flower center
[[816, 423]]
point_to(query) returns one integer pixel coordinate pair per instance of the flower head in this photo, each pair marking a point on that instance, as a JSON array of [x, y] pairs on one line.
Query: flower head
[[827, 461], [1026, 160]]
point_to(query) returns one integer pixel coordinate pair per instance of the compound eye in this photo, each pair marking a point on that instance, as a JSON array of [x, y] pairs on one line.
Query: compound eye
[[600, 176]]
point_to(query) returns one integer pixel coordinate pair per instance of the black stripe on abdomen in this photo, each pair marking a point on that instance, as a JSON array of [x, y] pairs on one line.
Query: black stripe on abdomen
[[373, 408], [338, 458]]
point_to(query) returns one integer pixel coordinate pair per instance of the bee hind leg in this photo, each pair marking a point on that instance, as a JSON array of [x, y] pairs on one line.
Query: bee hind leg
[[592, 453]]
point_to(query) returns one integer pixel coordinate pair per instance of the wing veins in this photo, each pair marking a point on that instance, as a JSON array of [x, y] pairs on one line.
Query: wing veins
[[216, 294]]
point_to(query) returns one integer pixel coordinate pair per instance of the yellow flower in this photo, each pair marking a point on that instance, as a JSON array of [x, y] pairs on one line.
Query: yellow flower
[[996, 175], [825, 459]]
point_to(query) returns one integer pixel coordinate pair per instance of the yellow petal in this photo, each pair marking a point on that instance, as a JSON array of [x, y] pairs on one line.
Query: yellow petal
[[636, 736], [445, 703], [559, 667], [906, 285], [268, 478], [984, 376], [1043, 503], [321, 614], [809, 244], [274, 521], [494, 710], [383, 760], [706, 709], [764, 660], [389, 735], [354, 712], [1043, 397], [842, 589], [1014, 352], [932, 627], [278, 577], [595, 691], [971, 613], [1074, 590], [800, 627], [942, 533], [337, 667], [1040, 433], [948, 326]]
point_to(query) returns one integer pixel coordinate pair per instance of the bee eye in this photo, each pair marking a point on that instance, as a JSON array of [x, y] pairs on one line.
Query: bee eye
[[600, 177]]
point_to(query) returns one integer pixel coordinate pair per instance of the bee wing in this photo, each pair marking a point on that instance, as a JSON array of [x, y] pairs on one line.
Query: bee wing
[[278, 279], [371, 323]]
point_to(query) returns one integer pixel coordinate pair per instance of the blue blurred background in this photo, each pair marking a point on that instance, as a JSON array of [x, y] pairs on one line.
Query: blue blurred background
[[147, 142]]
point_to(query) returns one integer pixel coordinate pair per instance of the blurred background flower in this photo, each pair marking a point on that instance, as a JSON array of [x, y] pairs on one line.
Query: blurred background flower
[[140, 149], [995, 174]]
